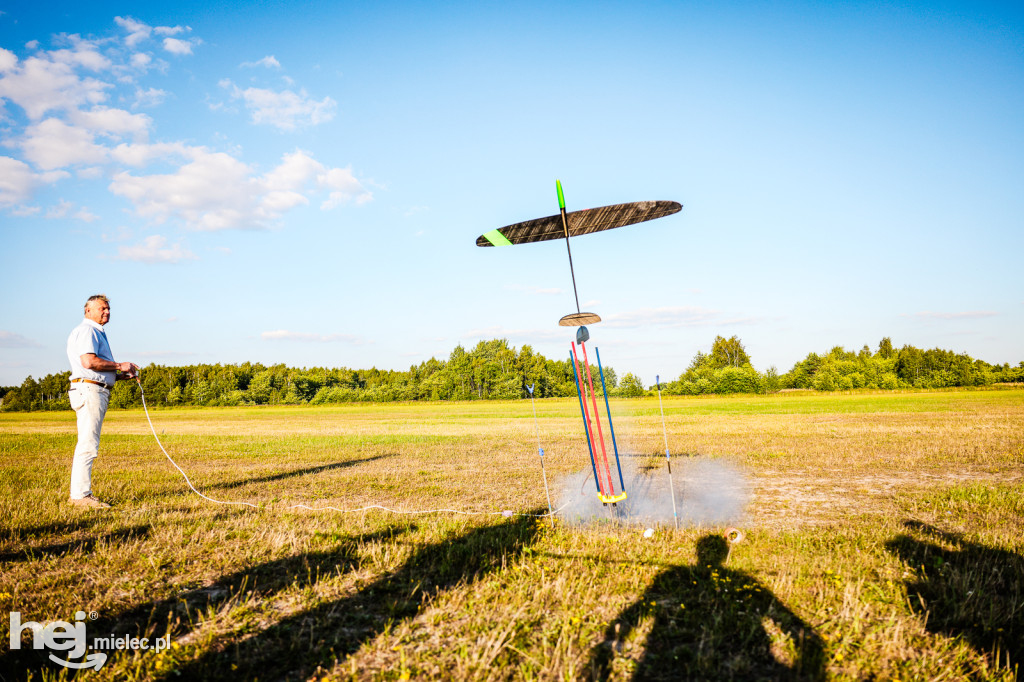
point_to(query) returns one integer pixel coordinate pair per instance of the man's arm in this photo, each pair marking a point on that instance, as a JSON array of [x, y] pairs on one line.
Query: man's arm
[[96, 364]]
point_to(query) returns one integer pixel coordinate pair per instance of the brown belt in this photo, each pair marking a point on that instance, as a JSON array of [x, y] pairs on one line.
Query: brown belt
[[90, 381]]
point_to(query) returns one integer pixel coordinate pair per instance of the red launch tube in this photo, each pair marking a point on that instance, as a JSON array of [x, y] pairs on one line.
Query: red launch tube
[[581, 387], [593, 397]]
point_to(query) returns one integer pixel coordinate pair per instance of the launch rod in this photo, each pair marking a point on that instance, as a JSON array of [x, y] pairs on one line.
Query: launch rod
[[586, 427], [536, 431], [611, 428], [565, 228], [668, 459], [597, 418]]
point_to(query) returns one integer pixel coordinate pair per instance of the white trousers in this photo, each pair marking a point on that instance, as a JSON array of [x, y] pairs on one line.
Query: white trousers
[[89, 401]]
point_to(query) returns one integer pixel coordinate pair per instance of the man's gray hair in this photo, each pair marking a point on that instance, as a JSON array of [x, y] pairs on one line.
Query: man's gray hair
[[97, 297]]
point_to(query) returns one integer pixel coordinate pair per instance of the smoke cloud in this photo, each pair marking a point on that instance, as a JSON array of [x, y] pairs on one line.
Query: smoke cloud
[[708, 492]]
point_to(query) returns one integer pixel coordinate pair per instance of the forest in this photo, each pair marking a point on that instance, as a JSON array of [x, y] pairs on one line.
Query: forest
[[493, 370]]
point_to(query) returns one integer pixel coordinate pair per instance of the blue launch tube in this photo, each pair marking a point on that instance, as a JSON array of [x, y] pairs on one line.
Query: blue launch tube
[[610, 427], [586, 427]]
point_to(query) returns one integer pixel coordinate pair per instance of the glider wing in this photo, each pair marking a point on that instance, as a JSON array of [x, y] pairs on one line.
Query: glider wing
[[580, 222]]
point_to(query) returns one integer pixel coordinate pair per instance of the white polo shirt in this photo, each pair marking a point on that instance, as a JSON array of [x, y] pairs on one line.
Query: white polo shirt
[[89, 337]]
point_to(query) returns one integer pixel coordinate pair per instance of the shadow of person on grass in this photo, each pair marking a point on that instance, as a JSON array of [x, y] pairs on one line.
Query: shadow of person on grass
[[305, 471], [23, 533], [15, 663], [301, 643], [965, 589], [176, 616], [84, 544], [709, 622]]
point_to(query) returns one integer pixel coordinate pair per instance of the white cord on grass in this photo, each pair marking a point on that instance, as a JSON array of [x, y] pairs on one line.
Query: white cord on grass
[[343, 511]]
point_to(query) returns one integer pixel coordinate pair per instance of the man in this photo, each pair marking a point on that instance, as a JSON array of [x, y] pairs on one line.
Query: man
[[93, 373]]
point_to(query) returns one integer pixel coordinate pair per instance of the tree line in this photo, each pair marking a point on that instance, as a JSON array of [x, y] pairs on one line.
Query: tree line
[[491, 370], [727, 369], [494, 370]]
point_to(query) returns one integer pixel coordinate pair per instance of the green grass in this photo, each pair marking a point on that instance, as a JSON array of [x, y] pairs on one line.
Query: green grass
[[883, 540]]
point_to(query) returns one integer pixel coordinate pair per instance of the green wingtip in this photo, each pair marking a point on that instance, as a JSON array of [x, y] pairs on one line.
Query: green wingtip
[[496, 238], [561, 197]]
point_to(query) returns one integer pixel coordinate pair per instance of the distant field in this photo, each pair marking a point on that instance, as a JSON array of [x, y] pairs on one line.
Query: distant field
[[884, 539]]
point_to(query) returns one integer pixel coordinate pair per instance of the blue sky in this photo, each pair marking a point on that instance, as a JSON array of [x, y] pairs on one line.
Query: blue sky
[[304, 182]]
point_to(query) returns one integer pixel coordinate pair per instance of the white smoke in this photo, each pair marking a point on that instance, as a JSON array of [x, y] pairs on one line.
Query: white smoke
[[708, 492]]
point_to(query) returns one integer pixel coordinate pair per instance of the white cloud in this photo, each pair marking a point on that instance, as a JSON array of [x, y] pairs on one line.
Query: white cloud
[[171, 30], [64, 208], [526, 335], [148, 98], [123, 234], [178, 47], [285, 110], [533, 290], [294, 171], [18, 181], [70, 126], [165, 355], [682, 316], [215, 191], [343, 187], [137, 30], [965, 315], [8, 60], [299, 168], [141, 154], [211, 192], [39, 85], [85, 215], [269, 61], [12, 340], [82, 53], [54, 144], [115, 122], [284, 335], [154, 249], [60, 210]]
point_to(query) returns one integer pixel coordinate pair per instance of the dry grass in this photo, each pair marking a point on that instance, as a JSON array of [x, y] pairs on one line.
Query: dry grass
[[884, 540]]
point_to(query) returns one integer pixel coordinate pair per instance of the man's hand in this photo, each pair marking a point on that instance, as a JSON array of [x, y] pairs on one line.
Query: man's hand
[[129, 369]]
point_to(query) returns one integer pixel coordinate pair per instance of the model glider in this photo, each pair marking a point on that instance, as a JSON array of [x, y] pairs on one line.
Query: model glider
[[576, 224]]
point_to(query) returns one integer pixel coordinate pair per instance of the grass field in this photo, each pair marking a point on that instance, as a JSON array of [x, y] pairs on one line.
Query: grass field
[[884, 540]]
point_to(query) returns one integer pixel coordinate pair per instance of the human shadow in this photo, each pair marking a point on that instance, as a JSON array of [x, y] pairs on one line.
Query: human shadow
[[971, 591], [7, 534], [53, 528], [177, 616], [82, 544], [710, 622], [16, 663], [318, 637], [280, 476]]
